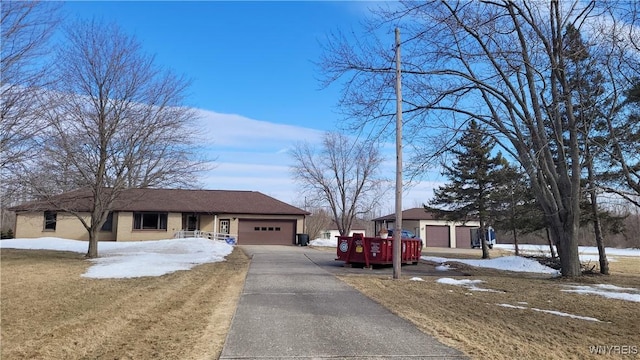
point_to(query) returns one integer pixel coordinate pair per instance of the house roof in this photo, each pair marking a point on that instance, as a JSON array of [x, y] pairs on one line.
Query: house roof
[[171, 200], [410, 214]]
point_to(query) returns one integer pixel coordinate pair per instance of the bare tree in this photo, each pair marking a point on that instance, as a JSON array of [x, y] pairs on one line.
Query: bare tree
[[342, 175], [319, 221], [117, 121], [499, 62], [25, 29]]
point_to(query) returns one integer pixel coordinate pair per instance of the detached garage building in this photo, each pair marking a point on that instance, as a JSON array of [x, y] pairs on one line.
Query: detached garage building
[[154, 214], [433, 232]]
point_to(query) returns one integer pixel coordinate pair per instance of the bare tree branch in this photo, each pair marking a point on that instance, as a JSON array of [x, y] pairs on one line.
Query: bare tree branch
[[117, 121], [343, 175], [499, 62]]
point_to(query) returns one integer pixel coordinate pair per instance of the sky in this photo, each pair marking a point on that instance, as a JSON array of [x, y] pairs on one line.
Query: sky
[[255, 78]]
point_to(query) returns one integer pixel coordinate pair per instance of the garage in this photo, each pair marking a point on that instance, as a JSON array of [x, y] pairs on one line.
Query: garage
[[266, 232], [463, 236], [437, 236]]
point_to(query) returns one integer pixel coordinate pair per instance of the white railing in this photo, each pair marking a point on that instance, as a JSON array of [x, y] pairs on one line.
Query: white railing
[[205, 234]]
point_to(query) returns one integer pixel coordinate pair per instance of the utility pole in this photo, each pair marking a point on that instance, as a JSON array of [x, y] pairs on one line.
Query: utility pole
[[397, 233]]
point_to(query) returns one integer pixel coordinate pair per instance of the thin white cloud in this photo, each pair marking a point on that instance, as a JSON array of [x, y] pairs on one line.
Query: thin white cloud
[[236, 131], [254, 155]]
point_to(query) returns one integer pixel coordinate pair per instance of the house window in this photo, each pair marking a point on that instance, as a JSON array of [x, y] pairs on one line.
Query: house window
[[108, 224], [149, 221], [224, 226], [50, 219]]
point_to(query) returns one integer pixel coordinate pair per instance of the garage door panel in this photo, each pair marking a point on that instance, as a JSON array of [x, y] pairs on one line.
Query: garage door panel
[[266, 232], [463, 236], [437, 236]]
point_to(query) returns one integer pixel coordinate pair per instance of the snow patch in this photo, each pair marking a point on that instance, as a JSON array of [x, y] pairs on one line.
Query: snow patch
[[606, 290], [553, 312], [582, 250], [324, 242], [469, 284], [509, 263], [136, 258], [444, 267]]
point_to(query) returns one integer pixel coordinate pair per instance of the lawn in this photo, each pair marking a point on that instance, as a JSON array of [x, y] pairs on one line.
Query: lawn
[[49, 311], [522, 316]]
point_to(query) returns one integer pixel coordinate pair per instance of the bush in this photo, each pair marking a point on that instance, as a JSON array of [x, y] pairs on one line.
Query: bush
[[7, 234]]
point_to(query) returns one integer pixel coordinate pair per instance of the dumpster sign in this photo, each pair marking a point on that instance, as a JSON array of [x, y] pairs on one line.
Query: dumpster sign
[[344, 246], [375, 249]]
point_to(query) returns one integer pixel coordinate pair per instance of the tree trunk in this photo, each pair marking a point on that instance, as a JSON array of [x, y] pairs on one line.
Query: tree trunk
[[514, 228], [92, 253], [483, 240], [551, 247], [567, 249], [597, 227], [515, 241]]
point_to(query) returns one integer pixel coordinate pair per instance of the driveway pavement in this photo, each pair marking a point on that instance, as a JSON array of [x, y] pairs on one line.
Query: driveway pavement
[[293, 307]]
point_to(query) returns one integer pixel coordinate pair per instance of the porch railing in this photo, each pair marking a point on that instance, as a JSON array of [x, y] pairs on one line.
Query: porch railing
[[230, 238]]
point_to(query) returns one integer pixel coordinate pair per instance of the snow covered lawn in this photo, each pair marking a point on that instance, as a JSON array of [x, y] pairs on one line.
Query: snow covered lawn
[[136, 258], [587, 253]]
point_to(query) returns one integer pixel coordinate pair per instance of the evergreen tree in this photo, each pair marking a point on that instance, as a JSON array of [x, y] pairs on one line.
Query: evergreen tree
[[622, 141], [513, 205], [471, 177]]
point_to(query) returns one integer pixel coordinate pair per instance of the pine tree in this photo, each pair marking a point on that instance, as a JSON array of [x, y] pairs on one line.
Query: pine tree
[[622, 138], [513, 205], [470, 178]]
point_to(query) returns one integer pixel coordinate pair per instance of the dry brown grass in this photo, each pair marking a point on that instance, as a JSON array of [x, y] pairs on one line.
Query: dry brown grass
[[473, 322], [48, 311]]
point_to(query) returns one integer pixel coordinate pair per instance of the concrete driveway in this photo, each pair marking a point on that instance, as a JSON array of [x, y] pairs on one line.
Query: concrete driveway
[[293, 307]]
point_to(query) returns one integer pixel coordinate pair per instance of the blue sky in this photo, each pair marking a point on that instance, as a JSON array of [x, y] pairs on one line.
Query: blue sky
[[253, 75], [249, 58]]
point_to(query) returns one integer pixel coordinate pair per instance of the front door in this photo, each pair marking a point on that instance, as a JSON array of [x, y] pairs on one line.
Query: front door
[[224, 226], [192, 222]]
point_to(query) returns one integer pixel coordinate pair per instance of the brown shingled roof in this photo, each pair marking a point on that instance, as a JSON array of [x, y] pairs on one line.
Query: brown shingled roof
[[177, 200], [410, 214]]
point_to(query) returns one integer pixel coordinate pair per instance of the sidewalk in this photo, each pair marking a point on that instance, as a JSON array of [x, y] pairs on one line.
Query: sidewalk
[[292, 308]]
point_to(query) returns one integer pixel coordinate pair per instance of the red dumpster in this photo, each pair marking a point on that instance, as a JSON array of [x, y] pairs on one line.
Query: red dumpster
[[376, 251]]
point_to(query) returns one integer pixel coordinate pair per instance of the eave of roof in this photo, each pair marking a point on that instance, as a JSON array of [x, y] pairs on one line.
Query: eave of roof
[[410, 214], [173, 200]]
